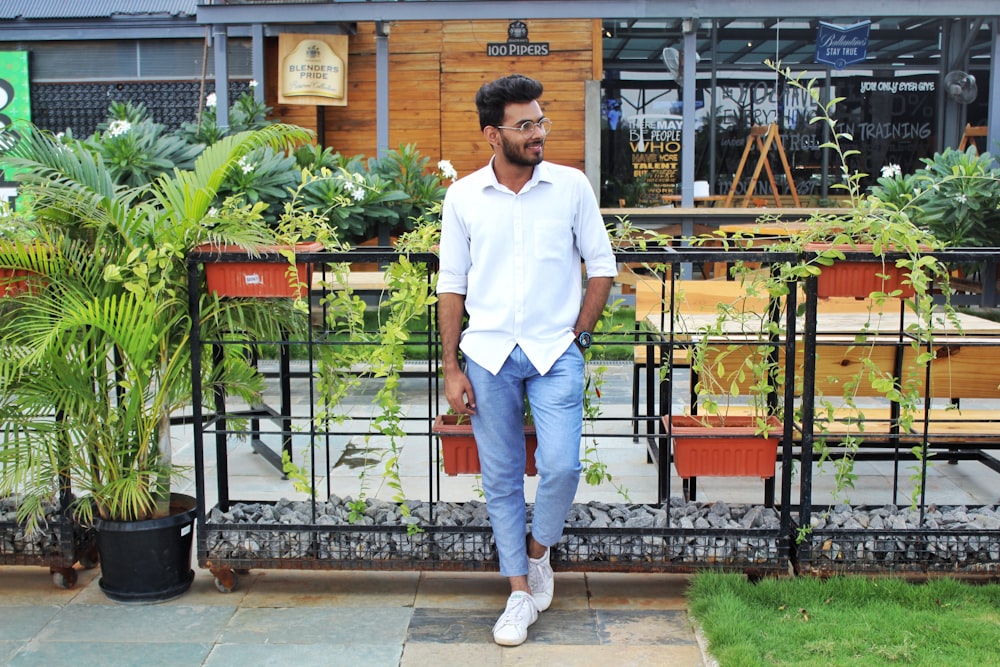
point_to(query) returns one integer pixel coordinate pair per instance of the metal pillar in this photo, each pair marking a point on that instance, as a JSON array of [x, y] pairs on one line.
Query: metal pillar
[[993, 120], [257, 57], [219, 44], [381, 88]]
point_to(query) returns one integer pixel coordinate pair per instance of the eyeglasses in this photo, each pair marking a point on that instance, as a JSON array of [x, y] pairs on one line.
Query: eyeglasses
[[527, 128]]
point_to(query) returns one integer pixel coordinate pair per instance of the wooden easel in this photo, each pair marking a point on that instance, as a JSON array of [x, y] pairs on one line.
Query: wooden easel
[[763, 137], [971, 131]]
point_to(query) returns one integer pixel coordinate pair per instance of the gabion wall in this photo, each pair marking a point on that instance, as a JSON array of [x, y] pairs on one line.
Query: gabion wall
[[81, 106]]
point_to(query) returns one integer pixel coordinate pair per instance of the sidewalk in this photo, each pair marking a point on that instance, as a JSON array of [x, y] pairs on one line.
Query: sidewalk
[[356, 619], [360, 619]]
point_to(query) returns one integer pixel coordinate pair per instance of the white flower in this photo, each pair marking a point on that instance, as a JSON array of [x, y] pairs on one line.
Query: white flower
[[253, 83], [210, 100], [891, 170], [447, 170], [246, 165], [357, 192], [118, 127], [961, 199], [212, 212]]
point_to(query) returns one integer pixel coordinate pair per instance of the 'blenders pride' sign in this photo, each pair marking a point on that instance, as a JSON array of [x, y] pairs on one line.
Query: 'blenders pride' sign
[[517, 43], [842, 46]]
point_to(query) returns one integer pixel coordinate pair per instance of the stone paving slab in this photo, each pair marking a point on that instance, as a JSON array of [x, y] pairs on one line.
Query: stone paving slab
[[362, 619]]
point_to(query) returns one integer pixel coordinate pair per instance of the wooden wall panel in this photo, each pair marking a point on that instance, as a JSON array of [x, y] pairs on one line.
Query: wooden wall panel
[[435, 69], [465, 67]]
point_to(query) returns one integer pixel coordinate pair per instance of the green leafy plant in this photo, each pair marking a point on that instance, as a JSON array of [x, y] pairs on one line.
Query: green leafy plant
[[381, 353], [957, 197], [301, 481], [407, 169], [264, 175], [245, 114], [105, 346], [595, 470], [137, 150], [878, 227]]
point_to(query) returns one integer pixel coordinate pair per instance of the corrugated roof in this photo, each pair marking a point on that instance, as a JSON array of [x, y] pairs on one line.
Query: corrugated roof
[[94, 9]]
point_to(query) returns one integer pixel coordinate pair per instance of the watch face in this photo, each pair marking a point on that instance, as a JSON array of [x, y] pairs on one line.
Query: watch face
[[584, 339]]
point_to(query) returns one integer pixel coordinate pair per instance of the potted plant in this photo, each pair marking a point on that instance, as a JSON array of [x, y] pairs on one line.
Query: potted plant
[[99, 359], [459, 452], [296, 232], [900, 274], [17, 237], [734, 426], [956, 197]]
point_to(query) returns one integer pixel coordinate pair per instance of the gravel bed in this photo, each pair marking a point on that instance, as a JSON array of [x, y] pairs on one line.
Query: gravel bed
[[953, 539], [697, 533], [612, 535]]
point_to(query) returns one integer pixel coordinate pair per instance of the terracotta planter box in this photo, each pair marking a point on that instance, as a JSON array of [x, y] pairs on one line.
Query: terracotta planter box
[[14, 281], [19, 281], [458, 447], [858, 279], [713, 446], [256, 279]]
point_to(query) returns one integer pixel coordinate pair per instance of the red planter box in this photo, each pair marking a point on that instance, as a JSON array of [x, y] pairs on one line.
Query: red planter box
[[458, 447], [14, 281], [256, 279], [713, 446], [19, 281], [858, 279]]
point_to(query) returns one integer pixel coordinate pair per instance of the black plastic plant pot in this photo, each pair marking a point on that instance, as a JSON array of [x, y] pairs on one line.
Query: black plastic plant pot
[[148, 561]]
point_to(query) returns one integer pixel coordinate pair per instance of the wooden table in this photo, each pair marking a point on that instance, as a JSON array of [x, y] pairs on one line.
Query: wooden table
[[844, 323], [684, 220], [357, 281], [706, 199], [772, 228]]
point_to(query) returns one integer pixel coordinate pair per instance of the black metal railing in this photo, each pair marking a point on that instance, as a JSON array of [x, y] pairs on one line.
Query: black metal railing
[[223, 544]]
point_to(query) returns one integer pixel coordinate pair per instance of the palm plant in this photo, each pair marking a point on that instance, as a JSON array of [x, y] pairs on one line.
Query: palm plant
[[96, 358]]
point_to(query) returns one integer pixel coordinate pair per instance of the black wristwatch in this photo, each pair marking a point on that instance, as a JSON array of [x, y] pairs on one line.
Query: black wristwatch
[[584, 339]]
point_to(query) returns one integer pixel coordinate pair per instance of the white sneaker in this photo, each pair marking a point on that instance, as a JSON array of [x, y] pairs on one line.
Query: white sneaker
[[541, 581], [511, 628]]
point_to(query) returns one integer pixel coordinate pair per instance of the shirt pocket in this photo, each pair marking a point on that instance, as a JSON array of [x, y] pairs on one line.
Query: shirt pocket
[[553, 238]]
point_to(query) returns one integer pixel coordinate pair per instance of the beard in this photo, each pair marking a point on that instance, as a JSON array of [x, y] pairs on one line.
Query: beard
[[515, 154]]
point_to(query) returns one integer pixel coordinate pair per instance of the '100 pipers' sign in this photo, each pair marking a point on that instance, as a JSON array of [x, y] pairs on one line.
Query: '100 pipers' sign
[[517, 43]]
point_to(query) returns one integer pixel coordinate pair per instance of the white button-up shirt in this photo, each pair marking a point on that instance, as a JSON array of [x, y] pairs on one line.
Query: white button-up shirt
[[516, 258]]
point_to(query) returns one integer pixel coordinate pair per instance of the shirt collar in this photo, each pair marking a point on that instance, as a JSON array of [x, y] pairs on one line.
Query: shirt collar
[[542, 173]]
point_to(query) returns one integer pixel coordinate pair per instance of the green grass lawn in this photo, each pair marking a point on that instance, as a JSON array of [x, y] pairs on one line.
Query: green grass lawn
[[847, 621]]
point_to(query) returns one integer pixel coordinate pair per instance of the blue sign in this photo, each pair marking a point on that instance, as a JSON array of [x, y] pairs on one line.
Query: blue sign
[[841, 46]]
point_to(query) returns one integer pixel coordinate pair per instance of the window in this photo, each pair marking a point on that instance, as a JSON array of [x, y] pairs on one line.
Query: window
[[133, 60]]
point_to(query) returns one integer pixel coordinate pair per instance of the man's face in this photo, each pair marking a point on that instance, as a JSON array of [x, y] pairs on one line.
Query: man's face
[[525, 150]]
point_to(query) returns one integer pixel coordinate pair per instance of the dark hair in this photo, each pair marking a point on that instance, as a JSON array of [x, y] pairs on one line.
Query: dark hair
[[493, 97]]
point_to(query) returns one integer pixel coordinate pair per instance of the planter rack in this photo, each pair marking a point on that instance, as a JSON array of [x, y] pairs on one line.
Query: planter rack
[[227, 548], [965, 553], [58, 544]]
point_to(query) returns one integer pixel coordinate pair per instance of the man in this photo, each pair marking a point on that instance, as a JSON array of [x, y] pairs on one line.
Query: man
[[512, 238]]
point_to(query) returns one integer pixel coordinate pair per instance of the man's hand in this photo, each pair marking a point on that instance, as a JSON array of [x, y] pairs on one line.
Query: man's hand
[[458, 391]]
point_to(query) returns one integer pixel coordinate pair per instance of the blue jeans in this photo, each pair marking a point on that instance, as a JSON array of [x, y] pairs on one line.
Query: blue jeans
[[556, 400]]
